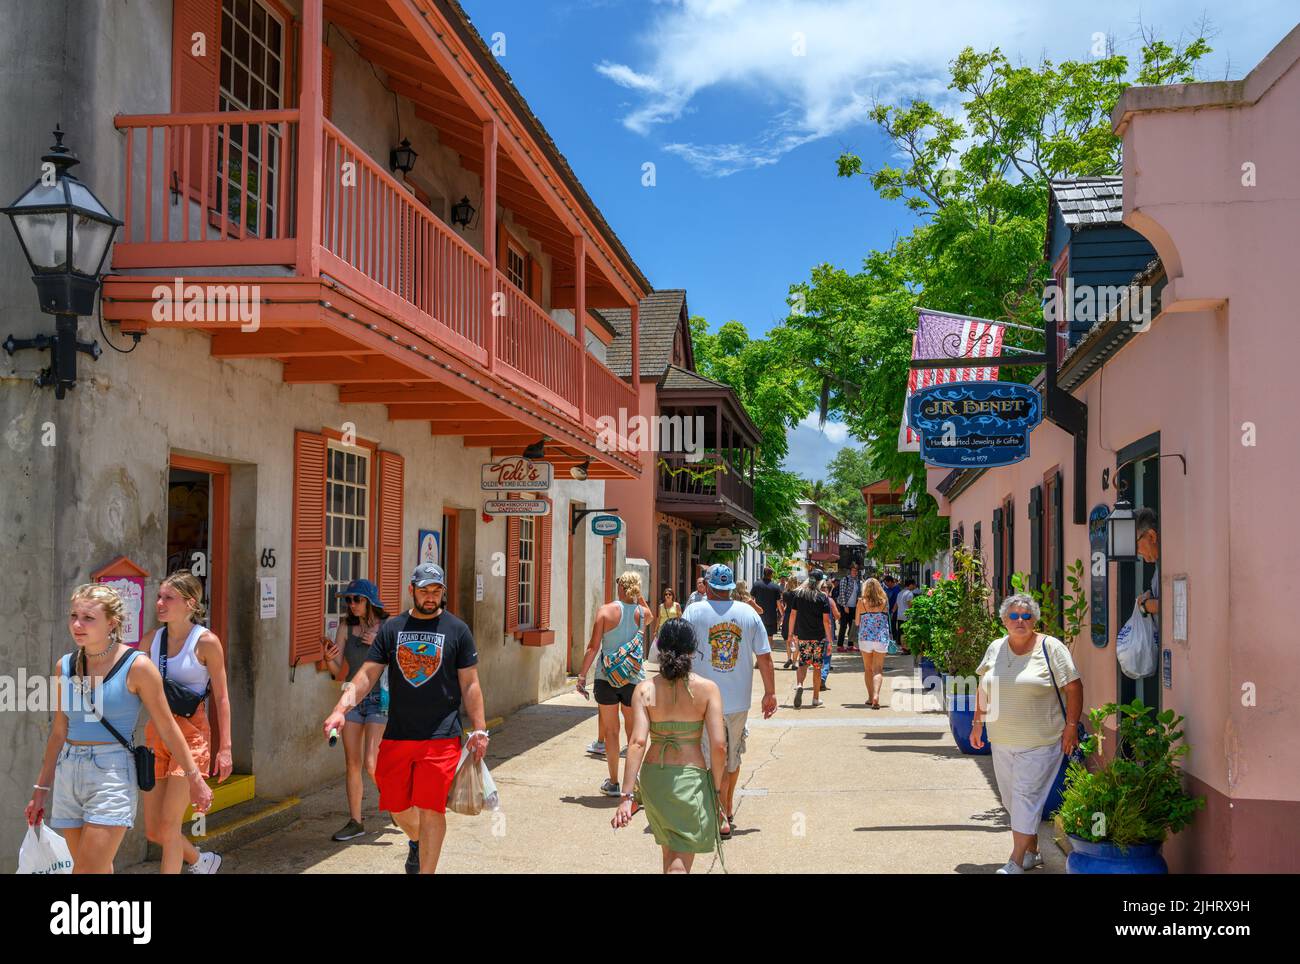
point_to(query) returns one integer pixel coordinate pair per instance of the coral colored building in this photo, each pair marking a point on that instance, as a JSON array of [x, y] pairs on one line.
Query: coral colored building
[[1194, 417]]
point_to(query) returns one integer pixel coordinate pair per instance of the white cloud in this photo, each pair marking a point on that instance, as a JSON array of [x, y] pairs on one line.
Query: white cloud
[[811, 449], [858, 51]]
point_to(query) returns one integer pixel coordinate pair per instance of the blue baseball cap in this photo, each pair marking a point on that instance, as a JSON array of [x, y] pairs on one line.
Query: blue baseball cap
[[720, 577], [428, 574]]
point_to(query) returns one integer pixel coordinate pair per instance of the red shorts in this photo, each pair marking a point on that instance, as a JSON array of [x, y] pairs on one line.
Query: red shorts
[[416, 773]]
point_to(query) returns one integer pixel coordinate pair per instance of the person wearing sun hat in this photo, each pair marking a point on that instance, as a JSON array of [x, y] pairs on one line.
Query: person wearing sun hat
[[365, 722], [729, 640], [435, 675]]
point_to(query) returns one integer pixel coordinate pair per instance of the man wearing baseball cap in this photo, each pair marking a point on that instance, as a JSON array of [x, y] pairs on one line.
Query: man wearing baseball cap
[[729, 639], [434, 670]]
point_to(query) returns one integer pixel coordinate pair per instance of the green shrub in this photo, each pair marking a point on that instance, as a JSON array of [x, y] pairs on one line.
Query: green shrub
[[1137, 797]]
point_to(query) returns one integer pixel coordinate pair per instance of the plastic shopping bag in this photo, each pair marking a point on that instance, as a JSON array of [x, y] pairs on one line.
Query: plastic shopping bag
[[472, 789], [44, 852], [1135, 646]]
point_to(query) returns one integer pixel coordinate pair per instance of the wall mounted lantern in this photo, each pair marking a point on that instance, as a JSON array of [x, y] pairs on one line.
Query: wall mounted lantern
[[65, 233], [1121, 533], [402, 158], [462, 213]]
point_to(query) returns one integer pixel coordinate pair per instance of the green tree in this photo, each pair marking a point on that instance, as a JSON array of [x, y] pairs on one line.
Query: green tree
[[978, 185], [776, 396]]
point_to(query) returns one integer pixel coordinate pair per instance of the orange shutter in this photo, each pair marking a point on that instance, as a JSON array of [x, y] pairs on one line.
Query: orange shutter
[[327, 80], [388, 529], [307, 606], [544, 570], [512, 573], [195, 90], [534, 279], [503, 242]]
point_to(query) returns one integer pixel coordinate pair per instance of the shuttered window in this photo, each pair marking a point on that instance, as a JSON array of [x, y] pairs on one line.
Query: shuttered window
[[1036, 537], [347, 523], [999, 558], [1053, 534], [307, 602], [528, 576], [388, 531], [526, 572], [196, 63]]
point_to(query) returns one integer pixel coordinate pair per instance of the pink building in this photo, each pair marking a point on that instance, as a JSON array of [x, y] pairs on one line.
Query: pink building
[[1194, 417]]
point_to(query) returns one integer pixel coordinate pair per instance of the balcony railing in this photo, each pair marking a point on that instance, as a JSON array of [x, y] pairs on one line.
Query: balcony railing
[[826, 545], [219, 189], [707, 480], [208, 189]]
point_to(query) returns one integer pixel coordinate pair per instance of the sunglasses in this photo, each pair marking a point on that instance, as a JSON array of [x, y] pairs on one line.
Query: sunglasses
[[1020, 615], [352, 599]]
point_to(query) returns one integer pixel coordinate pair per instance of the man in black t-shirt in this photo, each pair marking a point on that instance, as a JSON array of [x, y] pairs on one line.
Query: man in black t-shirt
[[768, 595], [433, 664]]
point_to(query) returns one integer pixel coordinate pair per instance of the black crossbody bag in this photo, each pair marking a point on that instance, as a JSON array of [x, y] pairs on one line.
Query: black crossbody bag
[[181, 700], [143, 755]]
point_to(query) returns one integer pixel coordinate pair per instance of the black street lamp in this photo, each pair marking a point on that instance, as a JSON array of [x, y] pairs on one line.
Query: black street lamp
[[65, 233]]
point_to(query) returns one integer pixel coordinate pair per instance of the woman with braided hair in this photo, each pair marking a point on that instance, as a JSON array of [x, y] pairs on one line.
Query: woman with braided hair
[[677, 787]]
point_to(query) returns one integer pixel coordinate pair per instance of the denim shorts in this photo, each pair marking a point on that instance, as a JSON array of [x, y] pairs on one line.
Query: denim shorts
[[94, 784], [367, 711]]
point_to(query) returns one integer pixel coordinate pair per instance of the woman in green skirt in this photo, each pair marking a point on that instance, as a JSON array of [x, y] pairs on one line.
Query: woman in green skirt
[[676, 787]]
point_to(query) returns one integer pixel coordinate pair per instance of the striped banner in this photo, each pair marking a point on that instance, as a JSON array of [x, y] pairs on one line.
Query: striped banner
[[940, 335]]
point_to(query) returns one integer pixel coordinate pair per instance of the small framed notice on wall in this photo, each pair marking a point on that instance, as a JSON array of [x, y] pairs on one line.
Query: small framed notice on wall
[[1180, 609]]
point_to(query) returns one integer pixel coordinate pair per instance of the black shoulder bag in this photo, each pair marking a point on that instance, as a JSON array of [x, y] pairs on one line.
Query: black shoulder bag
[[181, 700], [143, 755], [1083, 732]]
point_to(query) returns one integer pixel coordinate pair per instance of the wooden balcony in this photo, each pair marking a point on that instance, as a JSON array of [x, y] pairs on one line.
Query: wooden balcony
[[708, 492], [221, 191]]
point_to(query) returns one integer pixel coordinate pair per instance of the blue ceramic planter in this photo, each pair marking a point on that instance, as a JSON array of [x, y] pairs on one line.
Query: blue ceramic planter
[[961, 713], [1105, 858], [930, 676]]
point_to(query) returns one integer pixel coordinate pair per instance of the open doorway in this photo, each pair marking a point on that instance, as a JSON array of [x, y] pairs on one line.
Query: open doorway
[[1138, 482]]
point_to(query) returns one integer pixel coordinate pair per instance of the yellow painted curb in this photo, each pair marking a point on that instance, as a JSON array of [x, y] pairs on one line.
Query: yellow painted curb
[[251, 818]]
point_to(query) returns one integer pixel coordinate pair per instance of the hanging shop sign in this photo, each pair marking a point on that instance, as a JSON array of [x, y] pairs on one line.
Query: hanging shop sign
[[606, 525], [516, 474], [722, 540], [975, 424], [1099, 601], [517, 507]]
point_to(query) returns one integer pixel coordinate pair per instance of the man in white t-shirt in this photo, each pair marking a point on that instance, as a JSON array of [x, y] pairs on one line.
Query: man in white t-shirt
[[729, 639]]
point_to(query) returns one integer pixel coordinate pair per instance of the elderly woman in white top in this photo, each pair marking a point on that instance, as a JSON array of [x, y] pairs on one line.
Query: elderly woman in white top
[[1020, 675]]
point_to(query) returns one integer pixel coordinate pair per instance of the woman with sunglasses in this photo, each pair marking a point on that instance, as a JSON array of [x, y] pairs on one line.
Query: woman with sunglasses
[[1026, 679], [364, 724]]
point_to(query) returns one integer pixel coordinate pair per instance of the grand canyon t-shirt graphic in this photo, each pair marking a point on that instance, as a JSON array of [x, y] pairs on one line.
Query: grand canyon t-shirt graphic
[[419, 655]]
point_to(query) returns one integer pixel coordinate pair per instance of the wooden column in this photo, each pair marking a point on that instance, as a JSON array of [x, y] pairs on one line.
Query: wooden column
[[580, 320], [311, 136], [636, 353], [489, 218]]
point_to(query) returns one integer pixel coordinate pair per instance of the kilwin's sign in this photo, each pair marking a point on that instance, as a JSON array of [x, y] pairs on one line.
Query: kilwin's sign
[[516, 474], [975, 424]]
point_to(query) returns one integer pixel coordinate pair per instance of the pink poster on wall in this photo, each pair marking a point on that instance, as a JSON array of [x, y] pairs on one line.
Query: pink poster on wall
[[128, 580]]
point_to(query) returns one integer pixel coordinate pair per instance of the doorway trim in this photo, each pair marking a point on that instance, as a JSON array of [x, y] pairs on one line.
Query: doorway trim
[[219, 533]]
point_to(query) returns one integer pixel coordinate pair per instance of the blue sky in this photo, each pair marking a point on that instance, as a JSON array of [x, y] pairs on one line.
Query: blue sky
[[742, 106]]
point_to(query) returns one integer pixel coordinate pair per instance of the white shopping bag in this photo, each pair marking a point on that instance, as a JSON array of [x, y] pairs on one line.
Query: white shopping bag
[[44, 852], [472, 791], [1135, 646]]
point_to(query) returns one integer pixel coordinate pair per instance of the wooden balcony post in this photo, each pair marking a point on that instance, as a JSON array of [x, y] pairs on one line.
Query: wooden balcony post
[[636, 354], [311, 134], [580, 320], [489, 217]]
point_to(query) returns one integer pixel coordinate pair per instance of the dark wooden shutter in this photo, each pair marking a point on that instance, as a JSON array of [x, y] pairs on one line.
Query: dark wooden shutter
[[998, 560], [534, 279], [195, 90], [388, 530], [1036, 537], [1009, 520], [542, 531], [307, 581], [327, 80], [1058, 536]]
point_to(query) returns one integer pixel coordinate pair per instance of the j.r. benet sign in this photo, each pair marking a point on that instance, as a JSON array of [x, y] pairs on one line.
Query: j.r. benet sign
[[1003, 408], [974, 424], [516, 474]]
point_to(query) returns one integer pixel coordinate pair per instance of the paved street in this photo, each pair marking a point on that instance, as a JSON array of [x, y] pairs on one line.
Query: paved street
[[841, 788]]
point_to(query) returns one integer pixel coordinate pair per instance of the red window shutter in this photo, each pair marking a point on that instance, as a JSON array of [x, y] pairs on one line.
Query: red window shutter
[[544, 572], [327, 80], [503, 246], [392, 473], [195, 90], [307, 606], [534, 279], [512, 573]]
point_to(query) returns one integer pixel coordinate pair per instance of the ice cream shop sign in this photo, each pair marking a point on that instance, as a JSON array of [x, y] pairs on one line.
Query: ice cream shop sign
[[516, 474]]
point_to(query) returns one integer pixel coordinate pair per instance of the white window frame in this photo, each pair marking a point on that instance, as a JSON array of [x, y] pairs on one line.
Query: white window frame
[[360, 517], [526, 576], [520, 278]]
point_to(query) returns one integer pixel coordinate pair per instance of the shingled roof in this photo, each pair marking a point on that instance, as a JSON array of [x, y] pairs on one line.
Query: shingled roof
[[661, 312], [1089, 201], [678, 379]]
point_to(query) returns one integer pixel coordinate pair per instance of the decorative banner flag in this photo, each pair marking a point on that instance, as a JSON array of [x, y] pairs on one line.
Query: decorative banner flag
[[940, 335]]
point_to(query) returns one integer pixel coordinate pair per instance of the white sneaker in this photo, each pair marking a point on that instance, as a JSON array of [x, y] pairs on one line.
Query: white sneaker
[[1011, 867], [208, 863], [1032, 861], [596, 748]]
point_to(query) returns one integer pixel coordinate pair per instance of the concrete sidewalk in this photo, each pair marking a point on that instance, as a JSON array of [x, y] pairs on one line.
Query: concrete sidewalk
[[841, 788]]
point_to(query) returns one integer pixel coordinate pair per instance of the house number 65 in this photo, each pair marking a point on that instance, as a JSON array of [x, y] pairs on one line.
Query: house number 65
[[268, 558]]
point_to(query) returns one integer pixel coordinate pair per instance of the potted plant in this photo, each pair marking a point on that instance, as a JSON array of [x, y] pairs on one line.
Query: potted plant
[[961, 634], [917, 630], [1118, 815]]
